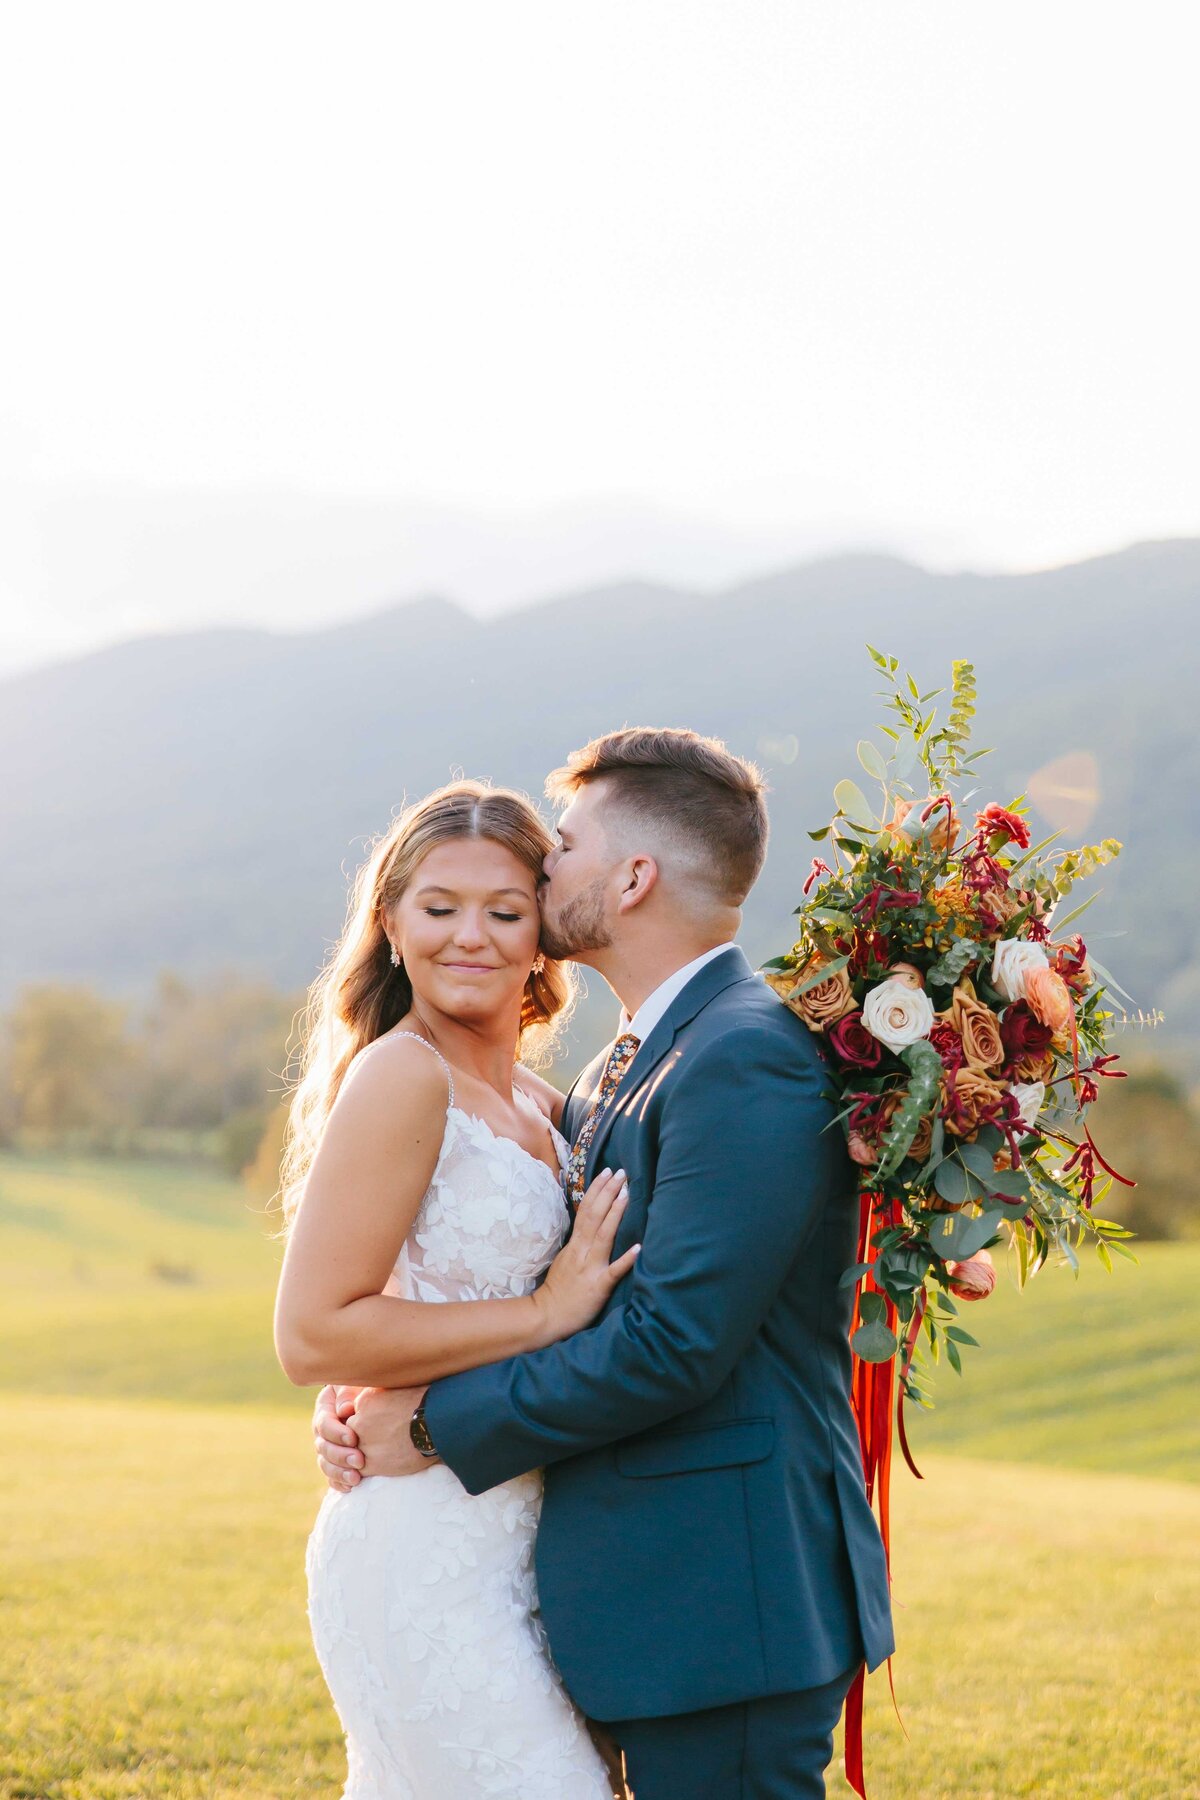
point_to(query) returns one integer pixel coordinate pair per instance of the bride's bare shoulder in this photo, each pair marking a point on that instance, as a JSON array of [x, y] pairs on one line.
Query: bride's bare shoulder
[[399, 1063], [543, 1093]]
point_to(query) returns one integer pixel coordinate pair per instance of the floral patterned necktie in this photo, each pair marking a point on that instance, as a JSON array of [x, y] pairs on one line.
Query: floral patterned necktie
[[619, 1059]]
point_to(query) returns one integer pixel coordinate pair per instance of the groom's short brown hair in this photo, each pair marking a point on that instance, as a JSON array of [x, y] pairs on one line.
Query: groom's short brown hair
[[688, 788]]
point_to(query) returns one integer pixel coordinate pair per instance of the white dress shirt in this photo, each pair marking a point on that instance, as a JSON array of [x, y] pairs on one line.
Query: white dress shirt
[[655, 1005]]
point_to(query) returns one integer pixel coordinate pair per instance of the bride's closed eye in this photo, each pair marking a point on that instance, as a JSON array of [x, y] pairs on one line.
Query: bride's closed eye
[[443, 912]]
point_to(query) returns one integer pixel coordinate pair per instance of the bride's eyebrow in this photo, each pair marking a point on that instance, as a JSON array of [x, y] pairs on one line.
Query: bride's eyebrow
[[494, 895]]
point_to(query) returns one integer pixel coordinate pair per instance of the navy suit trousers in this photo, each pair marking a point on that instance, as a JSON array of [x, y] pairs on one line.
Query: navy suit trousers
[[775, 1748]]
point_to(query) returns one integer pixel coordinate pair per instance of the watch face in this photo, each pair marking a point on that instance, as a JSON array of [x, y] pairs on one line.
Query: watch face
[[419, 1433]]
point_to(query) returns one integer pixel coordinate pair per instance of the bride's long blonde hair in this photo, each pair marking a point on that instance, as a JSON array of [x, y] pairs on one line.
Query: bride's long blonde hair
[[359, 994]]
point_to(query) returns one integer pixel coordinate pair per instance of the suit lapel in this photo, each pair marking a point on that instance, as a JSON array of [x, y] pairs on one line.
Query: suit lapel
[[644, 1073]]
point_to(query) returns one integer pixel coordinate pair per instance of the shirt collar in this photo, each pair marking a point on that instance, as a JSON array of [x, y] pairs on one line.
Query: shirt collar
[[655, 1005]]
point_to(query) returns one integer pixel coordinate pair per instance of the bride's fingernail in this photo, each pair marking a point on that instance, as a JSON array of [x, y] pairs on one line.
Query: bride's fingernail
[[620, 1175]]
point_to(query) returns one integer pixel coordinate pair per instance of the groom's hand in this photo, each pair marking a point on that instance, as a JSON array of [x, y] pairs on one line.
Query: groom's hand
[[381, 1421]]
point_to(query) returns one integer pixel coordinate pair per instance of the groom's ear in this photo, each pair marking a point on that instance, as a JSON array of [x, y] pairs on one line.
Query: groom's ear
[[638, 877]]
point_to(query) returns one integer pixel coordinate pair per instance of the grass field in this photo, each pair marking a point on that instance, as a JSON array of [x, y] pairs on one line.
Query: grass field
[[158, 1489]]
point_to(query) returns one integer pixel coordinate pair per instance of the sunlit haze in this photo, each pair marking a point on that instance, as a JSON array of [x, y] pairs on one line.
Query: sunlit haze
[[307, 311]]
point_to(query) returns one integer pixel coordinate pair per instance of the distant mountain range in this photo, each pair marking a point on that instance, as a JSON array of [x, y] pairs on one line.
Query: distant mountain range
[[197, 800]]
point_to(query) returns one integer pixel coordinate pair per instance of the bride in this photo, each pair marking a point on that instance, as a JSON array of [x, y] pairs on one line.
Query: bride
[[422, 1189]]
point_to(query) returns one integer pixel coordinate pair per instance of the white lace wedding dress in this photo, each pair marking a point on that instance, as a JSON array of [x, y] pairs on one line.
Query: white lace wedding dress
[[421, 1596]]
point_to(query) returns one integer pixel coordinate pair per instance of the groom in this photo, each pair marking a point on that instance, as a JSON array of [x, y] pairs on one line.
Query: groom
[[710, 1575]]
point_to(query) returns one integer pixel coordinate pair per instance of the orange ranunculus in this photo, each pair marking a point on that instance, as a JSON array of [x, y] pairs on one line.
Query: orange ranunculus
[[909, 972], [1049, 998]]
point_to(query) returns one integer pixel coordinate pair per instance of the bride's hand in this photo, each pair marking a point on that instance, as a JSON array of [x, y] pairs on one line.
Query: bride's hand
[[581, 1277]]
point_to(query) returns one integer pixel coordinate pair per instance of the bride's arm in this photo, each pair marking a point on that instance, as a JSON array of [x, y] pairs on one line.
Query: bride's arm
[[376, 1157]]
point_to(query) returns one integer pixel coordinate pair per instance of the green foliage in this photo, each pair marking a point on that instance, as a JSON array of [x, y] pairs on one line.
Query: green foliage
[[204, 1063], [920, 1097], [1077, 865]]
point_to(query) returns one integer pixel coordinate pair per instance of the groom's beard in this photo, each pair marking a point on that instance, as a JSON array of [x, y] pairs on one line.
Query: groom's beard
[[580, 926]]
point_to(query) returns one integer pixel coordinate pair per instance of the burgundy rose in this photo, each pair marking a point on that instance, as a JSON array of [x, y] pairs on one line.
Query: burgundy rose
[[1022, 1034], [948, 1045], [854, 1043]]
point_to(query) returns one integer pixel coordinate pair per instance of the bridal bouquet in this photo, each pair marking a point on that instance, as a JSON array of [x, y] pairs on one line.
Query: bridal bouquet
[[965, 1028]]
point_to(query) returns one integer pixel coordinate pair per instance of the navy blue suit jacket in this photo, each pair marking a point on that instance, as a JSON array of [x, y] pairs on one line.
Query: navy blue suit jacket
[[705, 1535]]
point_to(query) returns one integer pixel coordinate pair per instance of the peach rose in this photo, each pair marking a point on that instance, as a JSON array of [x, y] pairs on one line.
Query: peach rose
[[1049, 998], [944, 831], [974, 1278], [906, 971], [977, 1027], [820, 1005]]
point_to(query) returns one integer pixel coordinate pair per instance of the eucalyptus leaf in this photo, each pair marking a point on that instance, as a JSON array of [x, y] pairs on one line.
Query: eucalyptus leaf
[[1013, 1184], [950, 1180], [979, 1161], [956, 961], [871, 760], [853, 802], [872, 1308], [955, 1236], [874, 1343], [920, 1097]]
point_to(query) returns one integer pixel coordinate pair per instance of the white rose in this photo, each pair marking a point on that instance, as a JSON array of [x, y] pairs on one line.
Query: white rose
[[1011, 964], [1029, 1096], [897, 1014]]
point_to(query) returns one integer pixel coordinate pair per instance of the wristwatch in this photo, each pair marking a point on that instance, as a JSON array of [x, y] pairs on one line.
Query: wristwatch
[[418, 1431]]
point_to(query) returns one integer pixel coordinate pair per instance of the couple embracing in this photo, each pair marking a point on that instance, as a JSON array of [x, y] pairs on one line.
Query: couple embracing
[[601, 1335]]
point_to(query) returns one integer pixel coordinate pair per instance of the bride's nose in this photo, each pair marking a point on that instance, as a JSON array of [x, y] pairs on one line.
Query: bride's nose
[[470, 930]]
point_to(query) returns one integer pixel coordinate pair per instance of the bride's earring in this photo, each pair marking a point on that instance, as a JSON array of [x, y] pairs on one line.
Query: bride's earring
[[539, 963], [395, 957]]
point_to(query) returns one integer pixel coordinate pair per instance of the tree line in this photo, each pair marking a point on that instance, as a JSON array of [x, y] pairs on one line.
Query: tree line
[[198, 1071], [201, 1071]]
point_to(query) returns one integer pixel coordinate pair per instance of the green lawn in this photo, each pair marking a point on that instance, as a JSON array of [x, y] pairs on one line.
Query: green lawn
[[1096, 1373], [159, 1486], [154, 1638]]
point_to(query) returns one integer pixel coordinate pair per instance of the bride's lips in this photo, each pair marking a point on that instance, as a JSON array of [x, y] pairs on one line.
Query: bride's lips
[[466, 968]]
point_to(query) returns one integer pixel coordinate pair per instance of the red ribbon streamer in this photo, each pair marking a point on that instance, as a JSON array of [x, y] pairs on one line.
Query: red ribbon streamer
[[873, 1396]]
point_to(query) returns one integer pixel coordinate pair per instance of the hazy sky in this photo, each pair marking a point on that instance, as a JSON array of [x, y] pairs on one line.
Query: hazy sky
[[560, 285]]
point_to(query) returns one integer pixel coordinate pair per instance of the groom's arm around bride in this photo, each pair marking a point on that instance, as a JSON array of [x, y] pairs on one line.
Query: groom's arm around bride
[[709, 1572]]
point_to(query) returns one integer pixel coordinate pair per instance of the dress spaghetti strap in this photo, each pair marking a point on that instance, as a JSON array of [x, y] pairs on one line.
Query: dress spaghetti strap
[[436, 1052]]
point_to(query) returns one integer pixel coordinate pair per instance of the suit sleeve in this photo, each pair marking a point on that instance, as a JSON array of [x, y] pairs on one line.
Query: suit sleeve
[[745, 1167]]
